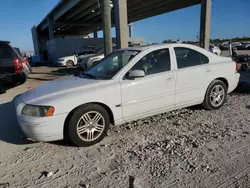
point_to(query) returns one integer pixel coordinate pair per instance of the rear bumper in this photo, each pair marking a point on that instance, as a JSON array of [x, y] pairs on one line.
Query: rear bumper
[[12, 78], [61, 63], [233, 82]]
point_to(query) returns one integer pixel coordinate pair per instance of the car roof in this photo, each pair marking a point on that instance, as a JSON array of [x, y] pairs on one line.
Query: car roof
[[166, 45], [4, 41]]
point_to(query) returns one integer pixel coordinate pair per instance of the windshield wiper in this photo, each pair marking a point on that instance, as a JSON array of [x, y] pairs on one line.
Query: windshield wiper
[[88, 75]]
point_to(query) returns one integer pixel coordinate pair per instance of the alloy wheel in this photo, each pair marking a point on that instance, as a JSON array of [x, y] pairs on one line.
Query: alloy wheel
[[90, 126]]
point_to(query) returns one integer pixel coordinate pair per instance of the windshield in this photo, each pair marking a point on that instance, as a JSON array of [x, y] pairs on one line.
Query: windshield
[[111, 64]]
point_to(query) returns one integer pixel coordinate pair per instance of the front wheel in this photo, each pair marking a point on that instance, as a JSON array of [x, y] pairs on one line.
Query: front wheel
[[88, 125], [69, 64], [215, 96]]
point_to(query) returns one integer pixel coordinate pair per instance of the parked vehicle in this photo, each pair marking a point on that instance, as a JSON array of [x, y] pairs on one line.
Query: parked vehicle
[[72, 60], [127, 85], [26, 66], [214, 49], [225, 45], [243, 61], [25, 63], [89, 60], [11, 66], [243, 46]]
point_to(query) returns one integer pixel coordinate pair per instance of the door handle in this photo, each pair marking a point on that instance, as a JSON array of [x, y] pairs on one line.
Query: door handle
[[169, 78], [208, 70]]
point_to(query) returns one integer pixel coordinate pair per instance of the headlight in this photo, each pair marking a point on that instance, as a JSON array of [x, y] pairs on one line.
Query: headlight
[[60, 59], [38, 111]]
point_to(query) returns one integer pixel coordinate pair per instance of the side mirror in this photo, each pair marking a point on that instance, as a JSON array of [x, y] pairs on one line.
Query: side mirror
[[136, 74]]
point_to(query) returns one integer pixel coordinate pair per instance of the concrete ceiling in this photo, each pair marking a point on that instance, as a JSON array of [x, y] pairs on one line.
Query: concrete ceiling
[[80, 17]]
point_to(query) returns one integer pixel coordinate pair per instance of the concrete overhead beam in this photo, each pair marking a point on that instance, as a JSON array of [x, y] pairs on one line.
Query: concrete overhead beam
[[87, 11], [74, 23], [80, 9], [161, 10], [157, 7], [44, 25], [66, 6], [145, 4]]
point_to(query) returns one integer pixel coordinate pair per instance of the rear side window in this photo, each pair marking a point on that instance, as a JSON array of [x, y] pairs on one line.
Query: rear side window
[[187, 57], [6, 51]]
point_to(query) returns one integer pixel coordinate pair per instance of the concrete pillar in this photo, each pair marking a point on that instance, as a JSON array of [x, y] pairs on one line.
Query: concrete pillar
[[205, 23], [121, 19], [35, 39], [106, 21], [131, 30], [95, 34], [51, 29]]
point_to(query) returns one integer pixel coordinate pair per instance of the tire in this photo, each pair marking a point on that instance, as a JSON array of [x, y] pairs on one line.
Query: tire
[[213, 101], [19, 79], [81, 136], [2, 89], [69, 64], [23, 79]]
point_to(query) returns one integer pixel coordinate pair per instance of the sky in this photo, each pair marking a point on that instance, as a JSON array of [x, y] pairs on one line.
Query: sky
[[230, 18]]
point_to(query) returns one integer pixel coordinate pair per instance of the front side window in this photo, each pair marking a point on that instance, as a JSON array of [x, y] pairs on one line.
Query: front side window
[[154, 62], [187, 57], [111, 65]]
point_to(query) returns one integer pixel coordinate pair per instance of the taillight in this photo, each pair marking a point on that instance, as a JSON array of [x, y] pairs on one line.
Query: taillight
[[237, 66], [18, 65], [25, 61]]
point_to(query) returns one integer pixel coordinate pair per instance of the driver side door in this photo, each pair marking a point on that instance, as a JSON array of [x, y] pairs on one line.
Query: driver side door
[[153, 93]]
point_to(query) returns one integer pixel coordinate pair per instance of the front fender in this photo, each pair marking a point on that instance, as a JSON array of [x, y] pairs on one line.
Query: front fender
[[109, 95]]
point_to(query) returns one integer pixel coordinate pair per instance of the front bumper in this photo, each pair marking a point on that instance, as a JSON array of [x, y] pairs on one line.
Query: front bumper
[[61, 63], [44, 129]]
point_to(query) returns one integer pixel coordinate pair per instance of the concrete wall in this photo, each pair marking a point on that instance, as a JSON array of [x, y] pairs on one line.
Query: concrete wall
[[64, 47], [35, 40], [60, 47]]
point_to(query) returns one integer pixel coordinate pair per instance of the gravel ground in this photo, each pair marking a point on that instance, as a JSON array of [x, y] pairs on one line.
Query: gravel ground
[[190, 147]]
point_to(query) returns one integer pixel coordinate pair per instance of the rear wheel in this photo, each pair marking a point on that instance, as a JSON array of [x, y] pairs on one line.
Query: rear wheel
[[215, 96], [88, 125], [69, 64]]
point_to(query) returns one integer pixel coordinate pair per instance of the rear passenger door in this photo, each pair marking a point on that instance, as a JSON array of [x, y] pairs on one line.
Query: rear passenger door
[[193, 76]]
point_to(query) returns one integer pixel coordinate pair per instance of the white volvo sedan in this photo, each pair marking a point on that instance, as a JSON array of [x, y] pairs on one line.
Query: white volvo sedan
[[126, 85]]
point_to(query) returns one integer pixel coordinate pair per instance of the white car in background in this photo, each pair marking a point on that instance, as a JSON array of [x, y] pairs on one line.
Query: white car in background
[[214, 49], [72, 60], [127, 85], [89, 60]]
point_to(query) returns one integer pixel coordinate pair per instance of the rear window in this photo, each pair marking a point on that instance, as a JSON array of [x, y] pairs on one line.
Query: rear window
[[6, 51]]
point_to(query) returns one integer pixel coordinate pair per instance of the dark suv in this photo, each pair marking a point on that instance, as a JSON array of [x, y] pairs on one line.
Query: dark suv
[[11, 68]]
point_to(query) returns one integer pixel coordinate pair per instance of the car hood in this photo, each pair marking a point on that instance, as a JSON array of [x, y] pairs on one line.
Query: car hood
[[62, 86], [88, 56], [65, 57]]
